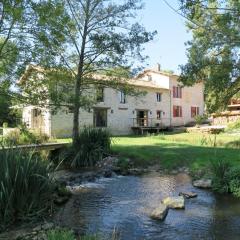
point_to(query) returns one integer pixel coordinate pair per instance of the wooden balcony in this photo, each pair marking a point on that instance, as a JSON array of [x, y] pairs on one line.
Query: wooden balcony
[[141, 125]]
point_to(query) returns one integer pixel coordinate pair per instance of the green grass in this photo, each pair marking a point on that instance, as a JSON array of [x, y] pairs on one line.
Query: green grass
[[171, 150], [177, 150]]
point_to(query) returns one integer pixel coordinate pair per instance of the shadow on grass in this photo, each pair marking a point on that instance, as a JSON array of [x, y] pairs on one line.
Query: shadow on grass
[[176, 155]]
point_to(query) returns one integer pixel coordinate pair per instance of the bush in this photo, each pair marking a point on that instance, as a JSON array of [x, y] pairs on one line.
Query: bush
[[233, 126], [226, 179], [23, 136], [220, 170], [200, 119], [25, 188], [93, 145], [234, 182], [60, 235]]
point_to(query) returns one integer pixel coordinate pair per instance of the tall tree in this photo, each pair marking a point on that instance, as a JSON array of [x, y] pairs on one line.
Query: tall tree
[[213, 53], [100, 37], [23, 39]]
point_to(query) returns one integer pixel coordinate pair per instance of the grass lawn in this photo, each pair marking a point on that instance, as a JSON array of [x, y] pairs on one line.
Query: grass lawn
[[177, 150], [171, 150]]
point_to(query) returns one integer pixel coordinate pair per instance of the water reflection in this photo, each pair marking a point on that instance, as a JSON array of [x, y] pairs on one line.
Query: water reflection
[[125, 203]]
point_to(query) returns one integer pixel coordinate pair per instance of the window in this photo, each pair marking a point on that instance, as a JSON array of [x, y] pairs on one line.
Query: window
[[122, 97], [159, 97], [177, 111], [177, 92], [194, 111], [159, 114], [100, 117], [100, 94]]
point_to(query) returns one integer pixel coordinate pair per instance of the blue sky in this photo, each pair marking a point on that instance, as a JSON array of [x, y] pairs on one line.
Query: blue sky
[[168, 48]]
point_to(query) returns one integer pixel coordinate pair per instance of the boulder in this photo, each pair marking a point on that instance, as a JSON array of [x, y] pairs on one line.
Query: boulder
[[174, 202], [188, 194], [159, 213], [203, 183]]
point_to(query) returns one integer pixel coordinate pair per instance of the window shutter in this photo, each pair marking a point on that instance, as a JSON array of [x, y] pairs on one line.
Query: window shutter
[[174, 91], [174, 111], [180, 111]]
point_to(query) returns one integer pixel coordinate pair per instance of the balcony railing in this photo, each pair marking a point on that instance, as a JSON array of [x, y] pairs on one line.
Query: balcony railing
[[151, 122]]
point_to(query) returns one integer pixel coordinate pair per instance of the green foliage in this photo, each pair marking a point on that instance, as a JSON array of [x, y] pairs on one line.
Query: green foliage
[[124, 164], [200, 119], [60, 235], [92, 145], [226, 178], [5, 124], [22, 136], [212, 57], [25, 189], [234, 182], [220, 169], [234, 126]]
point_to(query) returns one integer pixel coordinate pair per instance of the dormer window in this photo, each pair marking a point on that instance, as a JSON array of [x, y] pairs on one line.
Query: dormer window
[[122, 97], [100, 94]]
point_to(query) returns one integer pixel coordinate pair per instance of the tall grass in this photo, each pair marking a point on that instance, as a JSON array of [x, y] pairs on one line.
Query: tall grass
[[60, 235], [93, 145], [25, 188]]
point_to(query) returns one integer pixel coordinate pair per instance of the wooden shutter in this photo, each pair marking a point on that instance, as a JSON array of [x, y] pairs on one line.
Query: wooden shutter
[[180, 108], [174, 111], [174, 91]]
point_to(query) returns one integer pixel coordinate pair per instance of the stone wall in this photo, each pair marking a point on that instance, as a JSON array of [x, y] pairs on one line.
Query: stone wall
[[226, 118]]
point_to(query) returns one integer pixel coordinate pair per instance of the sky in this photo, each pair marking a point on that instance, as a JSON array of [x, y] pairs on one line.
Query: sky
[[168, 47]]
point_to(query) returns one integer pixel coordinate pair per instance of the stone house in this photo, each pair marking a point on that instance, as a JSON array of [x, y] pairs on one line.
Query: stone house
[[166, 104]]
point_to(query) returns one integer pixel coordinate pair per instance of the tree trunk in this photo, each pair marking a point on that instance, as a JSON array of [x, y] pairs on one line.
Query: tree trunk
[[78, 83]]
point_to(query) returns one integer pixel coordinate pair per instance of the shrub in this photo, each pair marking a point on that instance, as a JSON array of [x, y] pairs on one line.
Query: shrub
[[60, 235], [93, 145], [200, 119], [25, 188], [220, 170], [234, 126], [234, 181], [23, 136]]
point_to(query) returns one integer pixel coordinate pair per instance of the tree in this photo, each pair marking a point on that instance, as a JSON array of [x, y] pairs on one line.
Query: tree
[[213, 53], [23, 40], [99, 39]]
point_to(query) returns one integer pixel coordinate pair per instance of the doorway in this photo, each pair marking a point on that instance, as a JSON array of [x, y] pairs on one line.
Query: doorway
[[142, 118]]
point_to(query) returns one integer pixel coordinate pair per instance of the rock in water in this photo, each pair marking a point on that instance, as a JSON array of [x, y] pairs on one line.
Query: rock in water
[[159, 213], [203, 183], [188, 194], [174, 202]]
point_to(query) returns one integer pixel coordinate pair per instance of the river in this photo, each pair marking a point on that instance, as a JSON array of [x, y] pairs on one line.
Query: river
[[125, 202]]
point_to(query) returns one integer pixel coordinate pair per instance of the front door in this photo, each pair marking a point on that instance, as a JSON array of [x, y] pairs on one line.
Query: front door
[[100, 117], [142, 118]]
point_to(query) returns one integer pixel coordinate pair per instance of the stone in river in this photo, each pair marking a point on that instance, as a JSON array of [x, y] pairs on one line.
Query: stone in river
[[203, 183], [160, 212], [174, 202], [188, 194]]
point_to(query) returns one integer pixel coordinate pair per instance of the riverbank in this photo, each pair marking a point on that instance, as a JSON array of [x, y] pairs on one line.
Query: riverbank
[[175, 150]]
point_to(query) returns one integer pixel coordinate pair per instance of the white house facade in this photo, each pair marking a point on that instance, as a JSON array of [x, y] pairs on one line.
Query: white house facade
[[165, 104]]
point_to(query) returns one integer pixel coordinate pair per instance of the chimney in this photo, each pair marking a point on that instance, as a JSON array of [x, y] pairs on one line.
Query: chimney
[[157, 67]]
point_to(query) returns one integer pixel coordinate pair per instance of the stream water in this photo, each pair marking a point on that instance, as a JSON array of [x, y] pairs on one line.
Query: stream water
[[125, 203]]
